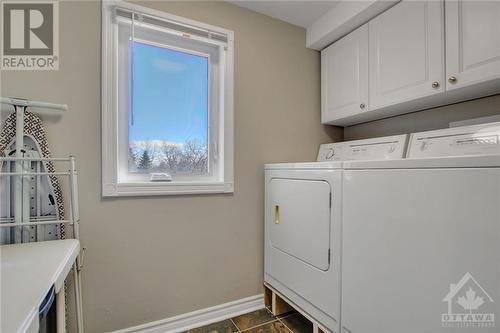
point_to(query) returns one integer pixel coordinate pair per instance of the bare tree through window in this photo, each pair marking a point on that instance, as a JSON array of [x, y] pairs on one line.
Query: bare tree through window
[[190, 157]]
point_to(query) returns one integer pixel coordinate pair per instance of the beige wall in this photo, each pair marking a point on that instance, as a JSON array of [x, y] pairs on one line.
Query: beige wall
[[150, 258], [425, 120]]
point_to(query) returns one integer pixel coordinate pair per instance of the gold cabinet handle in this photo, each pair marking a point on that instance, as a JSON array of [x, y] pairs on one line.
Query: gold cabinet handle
[[452, 79], [276, 214], [435, 84]]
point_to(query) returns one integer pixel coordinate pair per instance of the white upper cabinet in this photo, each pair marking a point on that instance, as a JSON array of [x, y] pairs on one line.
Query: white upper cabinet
[[472, 42], [414, 56], [406, 51], [344, 76]]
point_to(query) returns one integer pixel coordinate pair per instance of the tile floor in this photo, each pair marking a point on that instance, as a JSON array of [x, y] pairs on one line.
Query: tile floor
[[260, 321]]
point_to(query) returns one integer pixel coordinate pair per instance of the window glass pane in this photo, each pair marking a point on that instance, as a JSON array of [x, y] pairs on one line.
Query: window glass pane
[[168, 114]]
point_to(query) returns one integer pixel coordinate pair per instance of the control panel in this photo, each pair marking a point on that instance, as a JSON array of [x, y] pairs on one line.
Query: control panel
[[481, 139], [383, 148]]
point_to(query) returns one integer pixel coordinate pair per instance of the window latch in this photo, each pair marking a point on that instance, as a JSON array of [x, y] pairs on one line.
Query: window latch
[[160, 177]]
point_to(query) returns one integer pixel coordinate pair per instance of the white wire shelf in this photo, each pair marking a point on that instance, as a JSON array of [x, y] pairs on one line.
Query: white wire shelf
[[35, 173], [37, 159], [34, 223]]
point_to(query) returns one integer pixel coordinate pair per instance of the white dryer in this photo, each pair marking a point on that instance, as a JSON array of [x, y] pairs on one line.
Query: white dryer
[[421, 236], [303, 225]]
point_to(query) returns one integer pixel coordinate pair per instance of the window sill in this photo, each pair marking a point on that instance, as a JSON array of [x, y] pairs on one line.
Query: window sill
[[159, 188]]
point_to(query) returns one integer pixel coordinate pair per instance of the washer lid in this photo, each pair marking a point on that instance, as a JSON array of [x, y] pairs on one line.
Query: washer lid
[[383, 148], [481, 139]]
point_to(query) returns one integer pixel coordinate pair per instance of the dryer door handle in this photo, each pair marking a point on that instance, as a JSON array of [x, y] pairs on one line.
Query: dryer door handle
[[276, 214]]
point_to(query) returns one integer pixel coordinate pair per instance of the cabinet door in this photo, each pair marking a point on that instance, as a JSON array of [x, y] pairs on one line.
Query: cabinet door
[[344, 76], [406, 53], [472, 42]]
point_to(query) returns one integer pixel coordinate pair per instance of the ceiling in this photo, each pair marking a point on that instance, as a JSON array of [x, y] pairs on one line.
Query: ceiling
[[300, 13]]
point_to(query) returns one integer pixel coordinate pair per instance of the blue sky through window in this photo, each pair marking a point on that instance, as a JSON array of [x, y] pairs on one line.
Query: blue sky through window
[[170, 95]]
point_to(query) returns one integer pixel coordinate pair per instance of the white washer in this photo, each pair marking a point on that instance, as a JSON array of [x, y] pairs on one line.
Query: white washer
[[384, 148], [302, 226], [421, 236]]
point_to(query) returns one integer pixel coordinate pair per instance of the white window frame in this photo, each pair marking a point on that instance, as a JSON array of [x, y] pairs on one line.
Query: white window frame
[[111, 184]]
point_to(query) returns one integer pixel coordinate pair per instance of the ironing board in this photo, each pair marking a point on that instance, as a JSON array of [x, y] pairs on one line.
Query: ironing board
[[41, 196]]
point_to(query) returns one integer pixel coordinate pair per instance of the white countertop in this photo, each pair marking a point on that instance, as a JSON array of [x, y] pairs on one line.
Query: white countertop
[[28, 271]]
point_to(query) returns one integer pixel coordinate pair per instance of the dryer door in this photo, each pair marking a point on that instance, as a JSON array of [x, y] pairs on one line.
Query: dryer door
[[301, 219]]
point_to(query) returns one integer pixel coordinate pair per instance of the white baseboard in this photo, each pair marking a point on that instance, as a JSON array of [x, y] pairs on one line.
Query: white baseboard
[[200, 317]]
